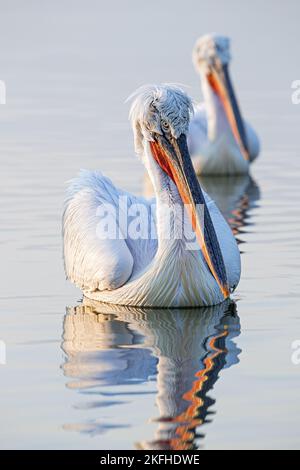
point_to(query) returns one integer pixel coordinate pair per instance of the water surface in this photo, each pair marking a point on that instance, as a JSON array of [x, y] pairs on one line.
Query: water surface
[[84, 376]]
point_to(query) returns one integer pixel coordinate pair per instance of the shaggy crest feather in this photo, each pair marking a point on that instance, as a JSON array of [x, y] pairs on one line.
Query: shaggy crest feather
[[155, 103]]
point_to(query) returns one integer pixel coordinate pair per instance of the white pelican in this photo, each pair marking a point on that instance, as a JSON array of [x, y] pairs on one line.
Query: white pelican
[[220, 141], [160, 270]]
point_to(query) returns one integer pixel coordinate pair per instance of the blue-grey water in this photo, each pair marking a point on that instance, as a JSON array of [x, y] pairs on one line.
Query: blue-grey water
[[80, 376]]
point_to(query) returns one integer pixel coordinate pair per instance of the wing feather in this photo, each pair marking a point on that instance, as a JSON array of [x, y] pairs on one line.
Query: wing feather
[[93, 261]]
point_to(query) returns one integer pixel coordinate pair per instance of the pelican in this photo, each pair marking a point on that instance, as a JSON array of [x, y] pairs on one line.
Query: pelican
[[159, 268], [220, 141]]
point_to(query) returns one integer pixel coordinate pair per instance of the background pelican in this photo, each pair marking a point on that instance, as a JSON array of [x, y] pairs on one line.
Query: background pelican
[[184, 349], [147, 271], [220, 141]]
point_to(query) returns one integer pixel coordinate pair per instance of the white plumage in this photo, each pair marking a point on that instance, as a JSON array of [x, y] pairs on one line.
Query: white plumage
[[154, 271], [218, 136]]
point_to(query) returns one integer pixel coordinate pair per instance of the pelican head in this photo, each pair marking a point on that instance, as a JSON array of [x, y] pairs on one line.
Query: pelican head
[[211, 49], [211, 58], [160, 118], [158, 111]]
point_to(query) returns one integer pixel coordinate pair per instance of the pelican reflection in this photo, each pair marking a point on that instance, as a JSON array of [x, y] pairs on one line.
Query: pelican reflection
[[185, 349], [235, 196]]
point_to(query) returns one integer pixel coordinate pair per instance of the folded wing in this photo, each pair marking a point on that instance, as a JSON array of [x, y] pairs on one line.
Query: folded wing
[[97, 254]]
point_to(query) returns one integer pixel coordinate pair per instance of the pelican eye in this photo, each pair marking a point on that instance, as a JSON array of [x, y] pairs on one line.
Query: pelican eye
[[165, 125]]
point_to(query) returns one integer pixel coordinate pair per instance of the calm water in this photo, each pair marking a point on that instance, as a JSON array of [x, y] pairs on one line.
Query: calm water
[[79, 375]]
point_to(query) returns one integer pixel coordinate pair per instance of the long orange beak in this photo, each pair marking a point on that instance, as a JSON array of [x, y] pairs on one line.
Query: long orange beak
[[220, 82], [173, 157]]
